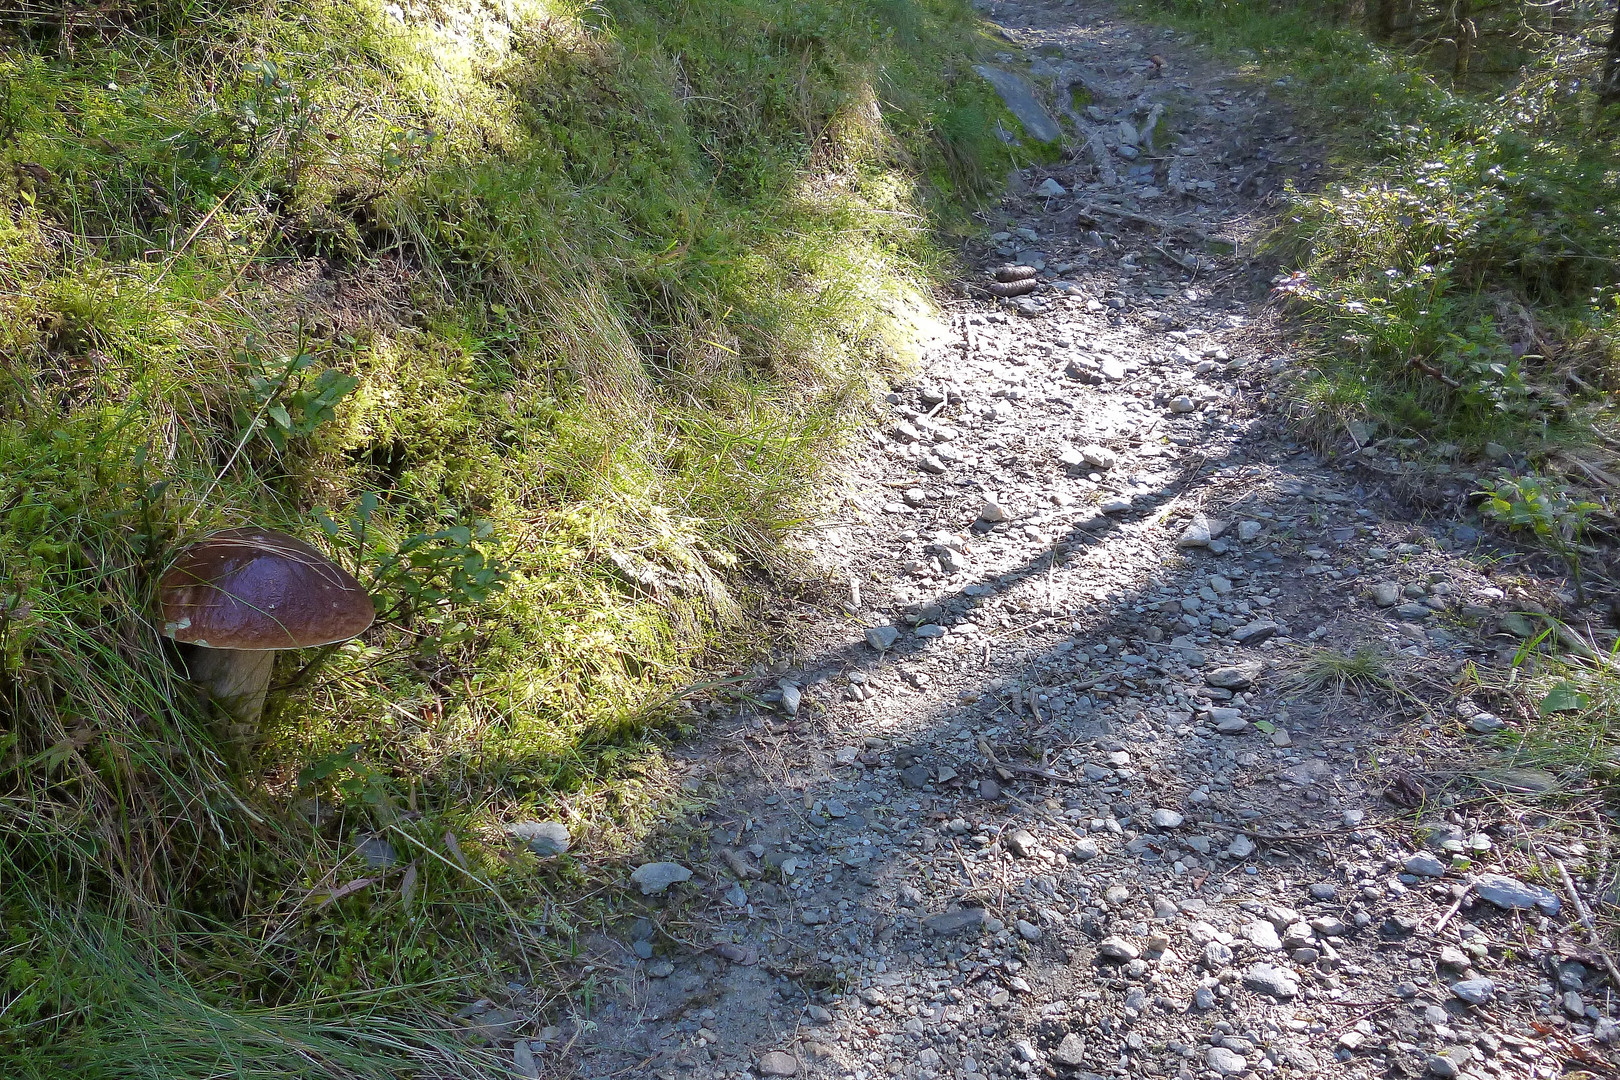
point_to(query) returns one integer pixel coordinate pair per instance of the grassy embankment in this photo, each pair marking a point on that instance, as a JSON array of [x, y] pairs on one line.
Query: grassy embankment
[[1456, 278], [561, 301]]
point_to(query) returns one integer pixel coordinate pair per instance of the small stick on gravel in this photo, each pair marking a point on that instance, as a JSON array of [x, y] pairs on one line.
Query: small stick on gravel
[[1452, 910], [1143, 219], [1587, 921]]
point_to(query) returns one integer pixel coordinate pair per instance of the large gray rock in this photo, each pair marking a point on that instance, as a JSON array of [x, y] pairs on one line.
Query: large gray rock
[[544, 838], [882, 638], [1475, 991], [777, 1063], [654, 877], [954, 922], [1070, 1053], [1115, 947], [1236, 677], [791, 696], [1506, 892], [1254, 633], [1202, 530], [1226, 1062], [1425, 864], [1018, 94], [1270, 979]]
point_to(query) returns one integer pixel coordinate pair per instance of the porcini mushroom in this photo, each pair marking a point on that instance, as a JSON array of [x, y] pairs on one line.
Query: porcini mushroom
[[236, 597]]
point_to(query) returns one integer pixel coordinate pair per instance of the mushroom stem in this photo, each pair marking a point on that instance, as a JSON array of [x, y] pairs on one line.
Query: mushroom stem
[[236, 680]]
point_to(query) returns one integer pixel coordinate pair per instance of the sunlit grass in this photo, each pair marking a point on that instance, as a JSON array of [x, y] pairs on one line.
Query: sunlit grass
[[610, 281]]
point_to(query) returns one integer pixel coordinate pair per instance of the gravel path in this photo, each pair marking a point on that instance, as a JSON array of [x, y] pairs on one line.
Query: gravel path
[[1057, 788]]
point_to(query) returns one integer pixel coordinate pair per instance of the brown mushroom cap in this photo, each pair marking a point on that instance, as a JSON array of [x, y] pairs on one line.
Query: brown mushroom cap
[[255, 589]]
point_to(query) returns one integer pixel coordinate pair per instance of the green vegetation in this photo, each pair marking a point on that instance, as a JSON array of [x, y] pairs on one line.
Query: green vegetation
[[1459, 269], [1362, 671], [538, 315]]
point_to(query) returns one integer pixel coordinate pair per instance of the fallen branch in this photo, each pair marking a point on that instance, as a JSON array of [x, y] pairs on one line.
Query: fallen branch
[[1452, 910], [1586, 920], [1157, 223]]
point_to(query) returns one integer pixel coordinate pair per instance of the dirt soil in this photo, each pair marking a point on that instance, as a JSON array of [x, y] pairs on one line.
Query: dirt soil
[[1136, 738]]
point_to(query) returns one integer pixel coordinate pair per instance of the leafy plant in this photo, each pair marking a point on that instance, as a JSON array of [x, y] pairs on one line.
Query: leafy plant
[[1545, 507], [429, 578], [288, 401]]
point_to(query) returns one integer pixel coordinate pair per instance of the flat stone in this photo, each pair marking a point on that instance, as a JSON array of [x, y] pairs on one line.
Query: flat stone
[[1249, 530], [1070, 1053], [1217, 955], [1424, 864], [378, 852], [1051, 189], [1084, 850], [1241, 847], [1115, 947], [1474, 991], [1231, 678], [915, 776], [930, 630], [1263, 935], [882, 638], [1270, 979], [1256, 632], [1018, 94], [1166, 819], [654, 878], [1386, 593], [1442, 1066], [777, 1063], [1414, 612], [1099, 457], [1511, 893], [1533, 781], [1021, 843], [954, 922], [992, 512], [545, 838], [1226, 1062]]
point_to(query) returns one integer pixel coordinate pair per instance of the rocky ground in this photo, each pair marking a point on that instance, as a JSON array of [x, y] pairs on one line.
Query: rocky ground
[[1145, 741]]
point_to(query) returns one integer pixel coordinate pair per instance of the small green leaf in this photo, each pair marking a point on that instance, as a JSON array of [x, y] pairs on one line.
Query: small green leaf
[[1265, 726], [1564, 697]]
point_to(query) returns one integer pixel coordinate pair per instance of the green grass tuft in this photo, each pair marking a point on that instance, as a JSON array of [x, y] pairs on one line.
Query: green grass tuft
[[541, 317]]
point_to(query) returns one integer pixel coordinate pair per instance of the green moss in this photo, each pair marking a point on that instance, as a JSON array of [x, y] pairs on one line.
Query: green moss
[[597, 287]]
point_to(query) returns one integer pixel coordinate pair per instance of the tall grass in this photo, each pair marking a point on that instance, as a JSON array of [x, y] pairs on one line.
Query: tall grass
[[541, 316]]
